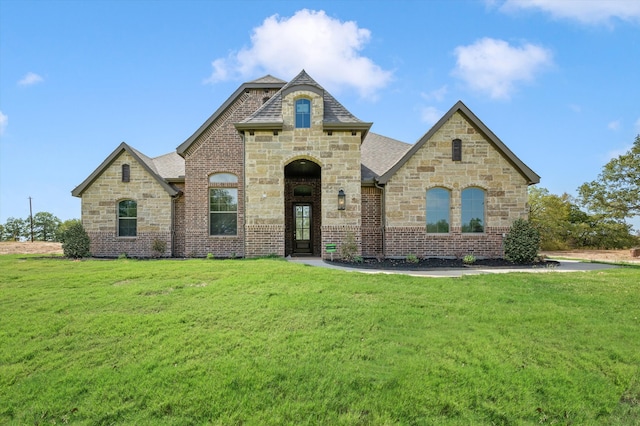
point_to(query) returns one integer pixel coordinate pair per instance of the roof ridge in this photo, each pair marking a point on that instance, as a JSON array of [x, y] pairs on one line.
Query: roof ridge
[[266, 79]]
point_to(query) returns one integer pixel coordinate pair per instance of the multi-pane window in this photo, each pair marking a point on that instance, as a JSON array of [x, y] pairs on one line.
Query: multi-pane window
[[303, 113], [127, 218], [473, 210], [438, 200], [223, 205]]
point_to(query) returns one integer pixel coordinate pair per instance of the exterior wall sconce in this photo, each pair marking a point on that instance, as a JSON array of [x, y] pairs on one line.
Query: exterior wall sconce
[[342, 200]]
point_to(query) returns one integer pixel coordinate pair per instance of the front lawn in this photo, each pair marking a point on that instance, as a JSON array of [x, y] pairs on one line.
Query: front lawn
[[271, 342]]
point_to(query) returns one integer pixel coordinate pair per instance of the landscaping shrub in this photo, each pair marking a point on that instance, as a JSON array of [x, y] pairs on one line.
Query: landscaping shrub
[[158, 247], [469, 259], [522, 243], [75, 241], [412, 258], [349, 248]]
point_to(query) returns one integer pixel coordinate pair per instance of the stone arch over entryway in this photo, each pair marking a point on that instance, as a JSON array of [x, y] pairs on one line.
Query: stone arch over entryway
[[303, 206]]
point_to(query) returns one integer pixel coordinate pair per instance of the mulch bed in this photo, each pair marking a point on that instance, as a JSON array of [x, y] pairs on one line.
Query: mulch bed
[[435, 262]]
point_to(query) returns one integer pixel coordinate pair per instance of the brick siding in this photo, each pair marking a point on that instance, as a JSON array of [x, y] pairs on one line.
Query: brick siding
[[402, 241], [219, 149], [371, 222]]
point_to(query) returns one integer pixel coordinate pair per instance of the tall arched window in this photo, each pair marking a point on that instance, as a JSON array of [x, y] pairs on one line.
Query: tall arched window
[[223, 204], [473, 210], [303, 114], [438, 210], [127, 218]]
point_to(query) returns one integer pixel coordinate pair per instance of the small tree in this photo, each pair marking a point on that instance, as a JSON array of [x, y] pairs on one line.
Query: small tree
[[522, 243], [75, 241]]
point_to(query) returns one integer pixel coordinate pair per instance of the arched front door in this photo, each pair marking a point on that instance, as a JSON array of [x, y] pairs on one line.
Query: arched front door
[[302, 208]]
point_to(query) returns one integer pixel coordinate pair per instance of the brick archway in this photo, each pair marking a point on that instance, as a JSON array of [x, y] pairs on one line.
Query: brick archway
[[303, 197]]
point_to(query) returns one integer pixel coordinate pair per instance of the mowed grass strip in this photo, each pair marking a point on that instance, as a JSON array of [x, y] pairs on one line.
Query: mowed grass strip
[[270, 342]]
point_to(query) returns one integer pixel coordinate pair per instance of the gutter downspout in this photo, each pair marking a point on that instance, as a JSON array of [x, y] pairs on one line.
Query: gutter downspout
[[383, 216], [173, 225], [244, 195]]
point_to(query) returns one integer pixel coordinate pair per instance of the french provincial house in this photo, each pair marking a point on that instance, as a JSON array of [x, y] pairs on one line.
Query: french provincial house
[[283, 168]]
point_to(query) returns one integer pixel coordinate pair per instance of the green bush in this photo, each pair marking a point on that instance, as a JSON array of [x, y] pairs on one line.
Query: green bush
[[349, 248], [469, 259], [158, 247], [522, 243], [412, 258], [75, 241]]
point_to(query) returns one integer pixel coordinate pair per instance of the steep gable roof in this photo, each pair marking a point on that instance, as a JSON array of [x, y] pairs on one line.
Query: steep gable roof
[[155, 167], [336, 116], [266, 82], [530, 175]]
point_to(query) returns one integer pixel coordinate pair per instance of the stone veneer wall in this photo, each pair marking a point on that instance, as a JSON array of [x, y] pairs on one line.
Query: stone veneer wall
[[219, 149], [482, 166], [266, 156], [100, 211]]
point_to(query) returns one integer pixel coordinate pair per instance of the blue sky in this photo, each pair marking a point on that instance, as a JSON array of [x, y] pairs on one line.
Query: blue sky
[[556, 80]]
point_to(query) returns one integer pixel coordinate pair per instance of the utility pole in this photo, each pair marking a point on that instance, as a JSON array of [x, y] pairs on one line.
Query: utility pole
[[31, 218]]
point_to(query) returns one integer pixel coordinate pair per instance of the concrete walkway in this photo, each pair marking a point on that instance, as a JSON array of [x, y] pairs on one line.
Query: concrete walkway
[[565, 266]]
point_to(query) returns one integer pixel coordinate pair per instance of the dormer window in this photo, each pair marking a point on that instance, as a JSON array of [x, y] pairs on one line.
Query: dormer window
[[303, 114]]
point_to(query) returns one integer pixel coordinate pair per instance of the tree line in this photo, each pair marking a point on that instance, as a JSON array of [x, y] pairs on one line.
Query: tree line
[[596, 218], [46, 227]]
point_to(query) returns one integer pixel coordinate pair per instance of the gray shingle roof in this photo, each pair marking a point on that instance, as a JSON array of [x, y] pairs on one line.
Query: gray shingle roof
[[334, 111], [169, 166], [267, 79], [379, 154]]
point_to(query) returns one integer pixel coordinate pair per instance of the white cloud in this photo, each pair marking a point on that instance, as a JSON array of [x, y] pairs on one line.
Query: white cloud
[[617, 153], [430, 115], [437, 94], [614, 125], [575, 108], [637, 126], [584, 11], [495, 67], [30, 79], [4, 120], [327, 48]]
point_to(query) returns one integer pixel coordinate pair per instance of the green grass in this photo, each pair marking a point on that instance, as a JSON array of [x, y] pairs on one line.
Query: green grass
[[269, 342]]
